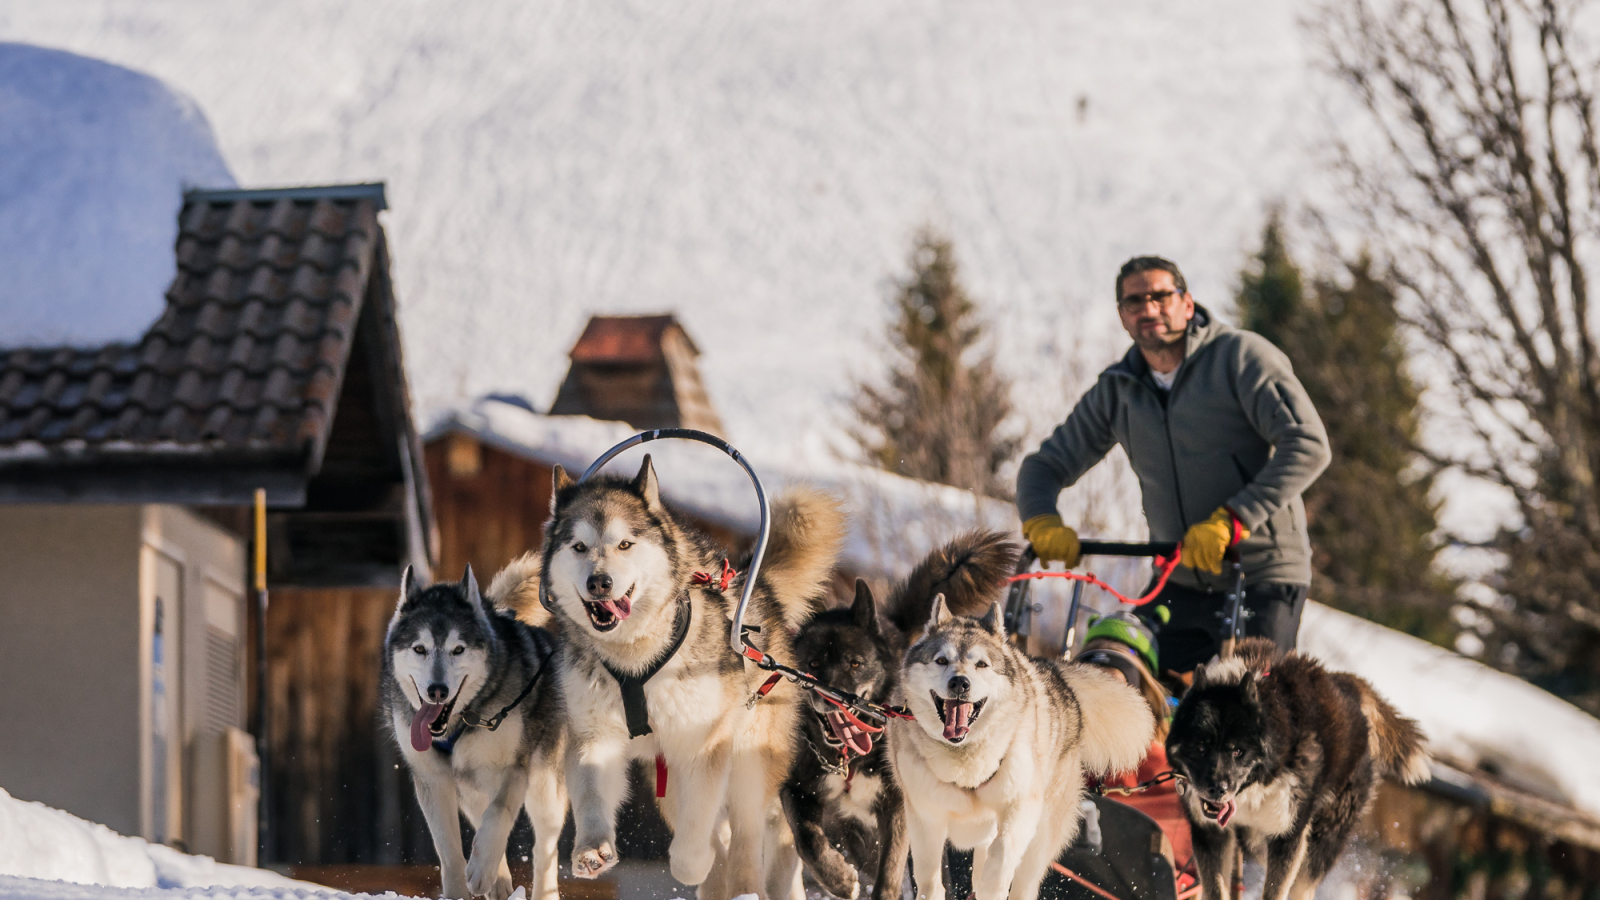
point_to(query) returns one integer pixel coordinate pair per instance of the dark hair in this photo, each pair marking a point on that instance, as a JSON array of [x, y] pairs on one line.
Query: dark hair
[[1151, 264]]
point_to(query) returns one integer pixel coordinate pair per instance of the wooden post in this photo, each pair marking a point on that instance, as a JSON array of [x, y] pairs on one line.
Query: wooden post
[[263, 744]]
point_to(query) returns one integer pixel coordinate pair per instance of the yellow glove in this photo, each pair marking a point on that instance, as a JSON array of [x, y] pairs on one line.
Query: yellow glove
[[1051, 539], [1205, 542]]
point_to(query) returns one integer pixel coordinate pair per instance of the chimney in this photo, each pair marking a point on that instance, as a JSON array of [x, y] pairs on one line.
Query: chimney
[[640, 370]]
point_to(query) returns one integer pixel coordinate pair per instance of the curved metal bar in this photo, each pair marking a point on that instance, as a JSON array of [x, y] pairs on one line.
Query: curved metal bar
[[735, 635]]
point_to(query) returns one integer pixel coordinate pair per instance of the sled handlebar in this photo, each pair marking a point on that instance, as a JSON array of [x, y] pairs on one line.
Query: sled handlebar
[[735, 636], [1122, 548]]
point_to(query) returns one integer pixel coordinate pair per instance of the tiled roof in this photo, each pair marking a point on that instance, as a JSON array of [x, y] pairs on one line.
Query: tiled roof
[[247, 358], [624, 339]]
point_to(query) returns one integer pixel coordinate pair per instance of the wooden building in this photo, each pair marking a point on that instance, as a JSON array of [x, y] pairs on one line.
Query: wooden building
[[126, 475], [637, 369]]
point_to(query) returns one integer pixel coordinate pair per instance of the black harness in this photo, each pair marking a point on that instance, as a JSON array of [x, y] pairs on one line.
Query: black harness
[[633, 702]]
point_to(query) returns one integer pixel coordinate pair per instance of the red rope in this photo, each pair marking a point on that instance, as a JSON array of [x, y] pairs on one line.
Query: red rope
[[1166, 564], [1083, 881], [722, 581]]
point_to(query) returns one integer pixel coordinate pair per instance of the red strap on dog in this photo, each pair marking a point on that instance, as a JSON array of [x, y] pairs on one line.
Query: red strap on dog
[[1166, 565], [769, 684], [721, 581], [661, 776]]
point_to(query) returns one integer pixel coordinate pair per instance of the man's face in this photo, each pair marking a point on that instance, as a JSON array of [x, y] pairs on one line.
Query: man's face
[[1152, 310]]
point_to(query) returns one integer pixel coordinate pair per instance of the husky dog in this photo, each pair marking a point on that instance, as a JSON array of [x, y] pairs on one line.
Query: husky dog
[[996, 759], [840, 793], [1281, 754], [648, 675], [482, 729]]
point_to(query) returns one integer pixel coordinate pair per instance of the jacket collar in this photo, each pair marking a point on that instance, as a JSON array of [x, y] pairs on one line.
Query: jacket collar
[[1202, 330]]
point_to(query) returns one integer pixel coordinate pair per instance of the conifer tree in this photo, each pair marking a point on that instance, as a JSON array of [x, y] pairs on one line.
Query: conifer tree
[[938, 417], [1370, 517]]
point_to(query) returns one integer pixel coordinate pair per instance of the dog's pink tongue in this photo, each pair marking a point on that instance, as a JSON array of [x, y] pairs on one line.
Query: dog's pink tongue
[[620, 607], [421, 739], [955, 720], [852, 736]]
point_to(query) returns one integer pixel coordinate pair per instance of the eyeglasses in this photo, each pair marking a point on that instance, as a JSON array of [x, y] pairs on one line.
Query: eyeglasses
[[1138, 301]]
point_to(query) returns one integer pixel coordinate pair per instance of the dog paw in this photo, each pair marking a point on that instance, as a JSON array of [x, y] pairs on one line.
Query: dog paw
[[840, 880], [689, 867], [488, 880], [593, 862]]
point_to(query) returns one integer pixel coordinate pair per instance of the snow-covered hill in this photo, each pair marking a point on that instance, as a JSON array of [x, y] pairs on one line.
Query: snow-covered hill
[[758, 166]]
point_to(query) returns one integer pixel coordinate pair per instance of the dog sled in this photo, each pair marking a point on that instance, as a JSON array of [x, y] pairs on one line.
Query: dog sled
[[1118, 854]]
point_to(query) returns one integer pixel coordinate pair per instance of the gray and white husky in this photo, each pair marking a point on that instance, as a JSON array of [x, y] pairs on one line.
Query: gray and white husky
[[618, 570], [996, 758], [482, 728]]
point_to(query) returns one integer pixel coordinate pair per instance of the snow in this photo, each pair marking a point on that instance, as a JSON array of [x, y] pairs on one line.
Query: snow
[[94, 160], [893, 519], [47, 853], [757, 167], [1475, 717]]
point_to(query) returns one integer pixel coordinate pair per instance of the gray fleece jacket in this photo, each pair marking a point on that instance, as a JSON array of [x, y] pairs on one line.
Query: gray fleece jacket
[[1236, 430]]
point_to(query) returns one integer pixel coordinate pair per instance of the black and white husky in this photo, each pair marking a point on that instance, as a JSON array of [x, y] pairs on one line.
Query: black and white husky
[[1284, 756], [843, 806], [647, 672], [481, 726], [996, 759]]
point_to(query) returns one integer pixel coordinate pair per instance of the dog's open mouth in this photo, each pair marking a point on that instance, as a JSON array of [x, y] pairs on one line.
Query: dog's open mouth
[[429, 722], [1218, 812], [608, 614], [957, 716], [841, 732]]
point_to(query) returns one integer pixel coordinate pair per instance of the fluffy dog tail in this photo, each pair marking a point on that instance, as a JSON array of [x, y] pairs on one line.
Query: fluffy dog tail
[[516, 588], [1396, 742], [970, 572], [808, 530], [1117, 724]]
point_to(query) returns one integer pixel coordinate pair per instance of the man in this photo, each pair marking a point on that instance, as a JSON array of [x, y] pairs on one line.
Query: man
[[1223, 440]]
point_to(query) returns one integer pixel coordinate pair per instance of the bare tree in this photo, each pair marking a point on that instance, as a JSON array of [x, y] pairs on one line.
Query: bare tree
[[1481, 185]]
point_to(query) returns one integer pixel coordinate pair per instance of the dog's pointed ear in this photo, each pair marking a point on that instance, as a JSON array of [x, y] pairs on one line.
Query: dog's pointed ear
[[993, 621], [560, 480], [1251, 687], [645, 483], [864, 610], [469, 583], [940, 614], [408, 593]]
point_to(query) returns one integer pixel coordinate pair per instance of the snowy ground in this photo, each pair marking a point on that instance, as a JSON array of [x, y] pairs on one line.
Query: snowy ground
[[47, 853]]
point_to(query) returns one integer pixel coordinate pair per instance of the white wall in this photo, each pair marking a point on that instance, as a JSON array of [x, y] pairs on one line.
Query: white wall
[[79, 586], [70, 659]]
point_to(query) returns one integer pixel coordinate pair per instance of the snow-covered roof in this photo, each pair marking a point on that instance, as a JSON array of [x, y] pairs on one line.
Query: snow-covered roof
[[96, 160], [894, 520], [1477, 719]]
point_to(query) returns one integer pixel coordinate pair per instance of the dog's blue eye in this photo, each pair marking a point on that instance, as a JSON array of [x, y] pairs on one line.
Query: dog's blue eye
[[421, 650], [580, 548], [623, 545], [458, 651]]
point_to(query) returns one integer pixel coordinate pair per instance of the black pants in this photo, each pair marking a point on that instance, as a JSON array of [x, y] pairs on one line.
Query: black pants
[[1193, 633]]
